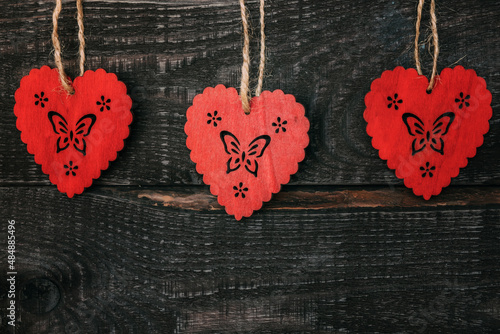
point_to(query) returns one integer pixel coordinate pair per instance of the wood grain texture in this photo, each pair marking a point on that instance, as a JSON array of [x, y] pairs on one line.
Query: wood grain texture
[[326, 53], [345, 249], [119, 262]]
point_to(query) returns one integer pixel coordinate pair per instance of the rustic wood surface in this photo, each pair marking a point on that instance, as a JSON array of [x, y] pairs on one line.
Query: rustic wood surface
[[345, 248]]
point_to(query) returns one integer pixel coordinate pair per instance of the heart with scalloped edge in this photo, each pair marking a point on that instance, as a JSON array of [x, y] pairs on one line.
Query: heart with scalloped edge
[[73, 137], [427, 137], [245, 158]]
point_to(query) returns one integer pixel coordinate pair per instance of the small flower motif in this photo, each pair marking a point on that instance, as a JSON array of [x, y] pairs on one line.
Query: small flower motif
[[394, 101], [279, 125], [462, 100], [427, 170], [240, 190], [71, 168], [40, 99], [213, 118], [104, 103]]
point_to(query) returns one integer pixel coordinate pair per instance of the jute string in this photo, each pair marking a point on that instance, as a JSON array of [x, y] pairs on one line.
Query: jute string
[[65, 82], [262, 50], [245, 94], [435, 41]]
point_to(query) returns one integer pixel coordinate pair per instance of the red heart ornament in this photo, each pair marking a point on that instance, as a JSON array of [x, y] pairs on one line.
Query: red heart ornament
[[245, 158], [427, 137], [73, 137]]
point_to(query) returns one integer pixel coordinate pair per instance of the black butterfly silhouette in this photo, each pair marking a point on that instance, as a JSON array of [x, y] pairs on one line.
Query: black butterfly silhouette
[[239, 156], [73, 135], [424, 137]]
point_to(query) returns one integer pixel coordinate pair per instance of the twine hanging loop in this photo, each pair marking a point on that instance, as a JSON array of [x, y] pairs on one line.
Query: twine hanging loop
[[435, 41], [65, 82], [245, 93]]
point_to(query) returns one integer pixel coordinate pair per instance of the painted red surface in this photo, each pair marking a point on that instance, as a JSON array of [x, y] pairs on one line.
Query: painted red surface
[[245, 158], [73, 137], [425, 137]]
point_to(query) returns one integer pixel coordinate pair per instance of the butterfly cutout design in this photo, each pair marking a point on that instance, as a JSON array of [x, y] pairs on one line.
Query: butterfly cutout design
[[68, 135], [424, 137], [246, 157]]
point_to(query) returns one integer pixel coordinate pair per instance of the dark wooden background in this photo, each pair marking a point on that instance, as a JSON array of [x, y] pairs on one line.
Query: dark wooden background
[[344, 248]]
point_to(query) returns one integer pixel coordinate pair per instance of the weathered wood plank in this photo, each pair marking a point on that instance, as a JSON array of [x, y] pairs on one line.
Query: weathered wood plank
[[165, 258], [126, 264], [326, 53], [300, 198]]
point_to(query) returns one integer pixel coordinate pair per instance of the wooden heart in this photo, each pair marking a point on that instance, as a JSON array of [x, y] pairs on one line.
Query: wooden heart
[[245, 158], [427, 137], [73, 137]]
